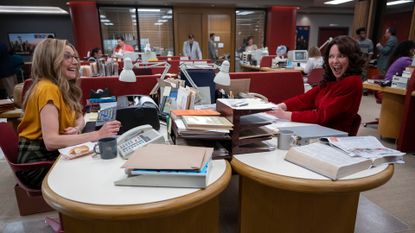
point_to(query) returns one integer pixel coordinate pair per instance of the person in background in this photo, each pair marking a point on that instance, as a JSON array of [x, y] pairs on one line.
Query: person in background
[[335, 102], [315, 60], [8, 77], [386, 50], [211, 48], [250, 46], [191, 48], [96, 54], [400, 59], [122, 47], [53, 116], [366, 47]]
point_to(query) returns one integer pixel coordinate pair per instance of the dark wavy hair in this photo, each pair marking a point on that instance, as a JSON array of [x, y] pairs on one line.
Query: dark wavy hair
[[402, 50], [348, 47]]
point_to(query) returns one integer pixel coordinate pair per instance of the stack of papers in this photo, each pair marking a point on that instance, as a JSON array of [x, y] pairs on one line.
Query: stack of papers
[[207, 122], [6, 105], [248, 104]]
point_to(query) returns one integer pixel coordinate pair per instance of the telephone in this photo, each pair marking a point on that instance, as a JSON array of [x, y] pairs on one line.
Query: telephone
[[252, 95], [137, 137]]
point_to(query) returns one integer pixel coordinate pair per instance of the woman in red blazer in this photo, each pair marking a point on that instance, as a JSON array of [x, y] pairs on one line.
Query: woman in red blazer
[[335, 101]]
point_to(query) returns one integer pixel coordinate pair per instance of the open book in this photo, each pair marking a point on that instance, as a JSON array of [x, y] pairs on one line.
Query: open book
[[330, 161], [367, 147]]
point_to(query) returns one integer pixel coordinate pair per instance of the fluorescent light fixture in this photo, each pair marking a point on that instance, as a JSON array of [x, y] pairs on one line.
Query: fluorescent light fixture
[[32, 10], [132, 10], [158, 24], [148, 10], [169, 12], [108, 24], [105, 21], [398, 2], [167, 17], [103, 16], [337, 2], [162, 20], [134, 21], [237, 12], [245, 13], [133, 16]]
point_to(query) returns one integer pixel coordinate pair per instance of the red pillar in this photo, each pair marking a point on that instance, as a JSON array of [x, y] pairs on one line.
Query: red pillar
[[85, 26], [281, 26]]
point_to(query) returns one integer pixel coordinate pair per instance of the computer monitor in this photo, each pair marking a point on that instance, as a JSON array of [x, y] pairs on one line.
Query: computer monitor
[[148, 56], [297, 55], [132, 55]]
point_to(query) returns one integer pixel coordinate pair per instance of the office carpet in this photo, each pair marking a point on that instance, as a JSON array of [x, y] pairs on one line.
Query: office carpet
[[387, 209]]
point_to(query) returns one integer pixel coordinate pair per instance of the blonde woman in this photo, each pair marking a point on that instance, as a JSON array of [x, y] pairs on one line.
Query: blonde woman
[[53, 113], [315, 60]]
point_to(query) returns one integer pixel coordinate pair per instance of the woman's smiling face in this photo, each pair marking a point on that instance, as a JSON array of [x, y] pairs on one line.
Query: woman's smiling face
[[70, 63], [338, 62]]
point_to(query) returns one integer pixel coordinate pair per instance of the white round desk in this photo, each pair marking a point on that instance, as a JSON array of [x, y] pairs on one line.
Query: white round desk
[[278, 196], [83, 192]]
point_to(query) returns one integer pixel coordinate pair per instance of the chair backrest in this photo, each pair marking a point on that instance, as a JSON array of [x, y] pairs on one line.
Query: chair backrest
[[315, 76], [9, 142], [407, 131], [266, 61], [357, 119]]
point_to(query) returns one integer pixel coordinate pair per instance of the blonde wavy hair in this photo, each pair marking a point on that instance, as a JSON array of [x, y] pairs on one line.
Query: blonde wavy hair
[[46, 64], [314, 52]]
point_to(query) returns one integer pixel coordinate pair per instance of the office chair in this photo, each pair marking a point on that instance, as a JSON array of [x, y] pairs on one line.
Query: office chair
[[29, 200], [315, 76], [357, 119]]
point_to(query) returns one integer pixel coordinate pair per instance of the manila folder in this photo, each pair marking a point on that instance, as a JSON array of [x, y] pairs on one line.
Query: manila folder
[[169, 157]]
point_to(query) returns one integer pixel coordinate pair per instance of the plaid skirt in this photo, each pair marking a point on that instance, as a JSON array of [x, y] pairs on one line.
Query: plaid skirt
[[34, 151]]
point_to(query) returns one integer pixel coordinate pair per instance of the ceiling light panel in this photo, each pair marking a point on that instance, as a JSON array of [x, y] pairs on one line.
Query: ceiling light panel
[[398, 2], [337, 2], [32, 10]]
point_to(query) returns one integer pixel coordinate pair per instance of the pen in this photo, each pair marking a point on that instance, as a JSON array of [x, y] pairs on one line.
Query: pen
[[240, 104]]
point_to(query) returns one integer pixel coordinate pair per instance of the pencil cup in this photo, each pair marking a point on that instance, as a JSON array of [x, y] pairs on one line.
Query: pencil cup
[[285, 139], [106, 148]]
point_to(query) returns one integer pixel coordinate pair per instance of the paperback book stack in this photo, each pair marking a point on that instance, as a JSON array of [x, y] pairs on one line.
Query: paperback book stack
[[6, 105], [201, 128]]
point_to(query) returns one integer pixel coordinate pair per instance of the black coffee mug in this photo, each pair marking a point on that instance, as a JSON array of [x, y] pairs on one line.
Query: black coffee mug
[[107, 148]]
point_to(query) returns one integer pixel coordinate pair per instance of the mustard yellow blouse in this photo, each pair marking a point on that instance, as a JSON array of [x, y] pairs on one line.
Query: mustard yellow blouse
[[43, 92]]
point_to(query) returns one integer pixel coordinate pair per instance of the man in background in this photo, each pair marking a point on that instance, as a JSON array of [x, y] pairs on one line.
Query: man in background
[[211, 48], [386, 50], [122, 47], [366, 46], [191, 48]]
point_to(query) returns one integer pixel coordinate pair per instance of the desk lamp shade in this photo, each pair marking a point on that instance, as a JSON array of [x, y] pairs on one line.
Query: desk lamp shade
[[222, 77], [127, 73]]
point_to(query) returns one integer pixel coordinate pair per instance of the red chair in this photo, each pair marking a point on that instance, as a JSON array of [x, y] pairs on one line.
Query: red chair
[[29, 200], [315, 76], [266, 61]]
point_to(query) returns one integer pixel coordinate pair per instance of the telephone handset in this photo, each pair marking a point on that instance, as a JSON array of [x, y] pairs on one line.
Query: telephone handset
[[252, 95], [137, 137]]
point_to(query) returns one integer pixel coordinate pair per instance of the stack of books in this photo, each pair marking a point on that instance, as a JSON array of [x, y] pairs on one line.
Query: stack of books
[[182, 166]]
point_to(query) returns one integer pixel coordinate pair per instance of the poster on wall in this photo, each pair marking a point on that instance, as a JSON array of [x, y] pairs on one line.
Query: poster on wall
[[25, 43], [303, 35]]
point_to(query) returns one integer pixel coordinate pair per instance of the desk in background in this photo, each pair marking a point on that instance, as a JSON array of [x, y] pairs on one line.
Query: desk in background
[[391, 109], [278, 196], [13, 116]]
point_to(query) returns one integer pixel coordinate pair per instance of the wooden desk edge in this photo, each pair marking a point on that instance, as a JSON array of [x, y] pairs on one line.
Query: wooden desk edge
[[125, 212], [311, 185], [392, 90]]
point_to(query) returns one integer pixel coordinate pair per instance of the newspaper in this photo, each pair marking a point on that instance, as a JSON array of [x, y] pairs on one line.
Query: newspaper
[[362, 146]]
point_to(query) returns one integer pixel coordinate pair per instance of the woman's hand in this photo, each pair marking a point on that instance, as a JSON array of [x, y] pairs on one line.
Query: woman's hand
[[280, 114], [71, 131], [109, 129]]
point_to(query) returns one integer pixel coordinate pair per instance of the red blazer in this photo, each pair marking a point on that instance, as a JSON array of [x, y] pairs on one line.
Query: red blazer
[[333, 105]]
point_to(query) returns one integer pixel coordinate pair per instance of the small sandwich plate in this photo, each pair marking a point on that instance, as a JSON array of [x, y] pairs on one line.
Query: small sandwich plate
[[77, 151]]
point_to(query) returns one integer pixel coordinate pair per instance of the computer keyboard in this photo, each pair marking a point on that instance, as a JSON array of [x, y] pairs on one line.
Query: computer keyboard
[[104, 115]]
